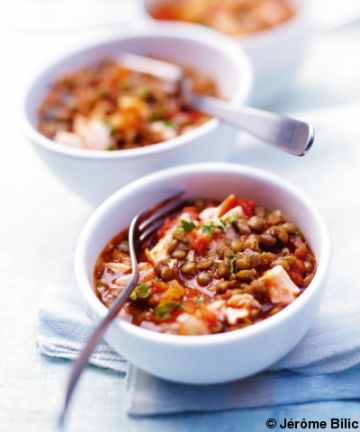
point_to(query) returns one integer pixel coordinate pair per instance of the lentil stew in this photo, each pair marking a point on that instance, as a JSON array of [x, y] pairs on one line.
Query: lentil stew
[[212, 268], [105, 106], [232, 17]]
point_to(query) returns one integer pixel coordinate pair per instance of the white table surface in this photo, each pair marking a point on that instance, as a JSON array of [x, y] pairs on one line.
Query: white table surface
[[31, 386]]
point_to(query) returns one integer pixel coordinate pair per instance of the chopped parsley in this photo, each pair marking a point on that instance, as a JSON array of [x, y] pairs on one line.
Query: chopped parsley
[[144, 91], [233, 266], [222, 224], [233, 223], [232, 220], [208, 228], [186, 225], [168, 123], [142, 291], [163, 311], [198, 299]]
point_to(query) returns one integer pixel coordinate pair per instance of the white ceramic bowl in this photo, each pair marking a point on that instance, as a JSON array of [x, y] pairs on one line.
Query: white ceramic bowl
[[96, 174], [276, 53], [220, 357]]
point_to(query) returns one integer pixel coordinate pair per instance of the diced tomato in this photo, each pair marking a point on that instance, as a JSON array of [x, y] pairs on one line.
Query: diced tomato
[[169, 223], [299, 265], [295, 242], [231, 201], [194, 116], [301, 251], [164, 12], [209, 317], [296, 277], [200, 244], [247, 206], [158, 286]]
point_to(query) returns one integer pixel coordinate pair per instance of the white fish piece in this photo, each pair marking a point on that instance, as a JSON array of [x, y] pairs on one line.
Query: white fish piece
[[146, 271], [216, 306], [236, 212], [123, 280], [150, 326], [188, 217], [125, 316], [209, 214], [240, 306], [232, 315], [161, 131], [160, 252], [69, 139], [118, 267], [243, 300], [191, 325], [94, 134], [279, 287]]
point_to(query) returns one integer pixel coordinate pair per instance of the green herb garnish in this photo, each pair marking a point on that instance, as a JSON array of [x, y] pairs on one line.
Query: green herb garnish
[[297, 233], [222, 224], [186, 225], [233, 223], [232, 220], [163, 311], [168, 123], [142, 291], [144, 91], [233, 266], [208, 228], [198, 299], [157, 115]]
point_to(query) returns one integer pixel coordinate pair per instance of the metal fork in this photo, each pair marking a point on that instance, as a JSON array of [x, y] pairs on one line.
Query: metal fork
[[290, 135], [142, 228]]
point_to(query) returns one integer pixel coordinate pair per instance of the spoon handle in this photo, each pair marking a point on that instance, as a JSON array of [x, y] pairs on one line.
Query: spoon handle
[[293, 136]]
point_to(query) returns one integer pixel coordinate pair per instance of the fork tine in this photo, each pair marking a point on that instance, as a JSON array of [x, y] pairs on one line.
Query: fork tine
[[149, 230], [161, 210]]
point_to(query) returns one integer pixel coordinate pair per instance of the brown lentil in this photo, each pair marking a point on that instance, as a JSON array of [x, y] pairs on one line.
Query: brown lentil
[[204, 278], [246, 275], [189, 268], [256, 223]]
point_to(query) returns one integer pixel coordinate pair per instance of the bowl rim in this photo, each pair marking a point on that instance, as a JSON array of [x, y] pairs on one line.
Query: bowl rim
[[318, 283], [263, 38], [179, 31]]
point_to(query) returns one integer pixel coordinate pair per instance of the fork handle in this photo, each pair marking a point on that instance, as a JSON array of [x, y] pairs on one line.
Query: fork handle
[[293, 136], [81, 361]]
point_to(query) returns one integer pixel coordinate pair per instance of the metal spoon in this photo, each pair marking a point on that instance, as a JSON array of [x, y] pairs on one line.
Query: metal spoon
[[290, 135]]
